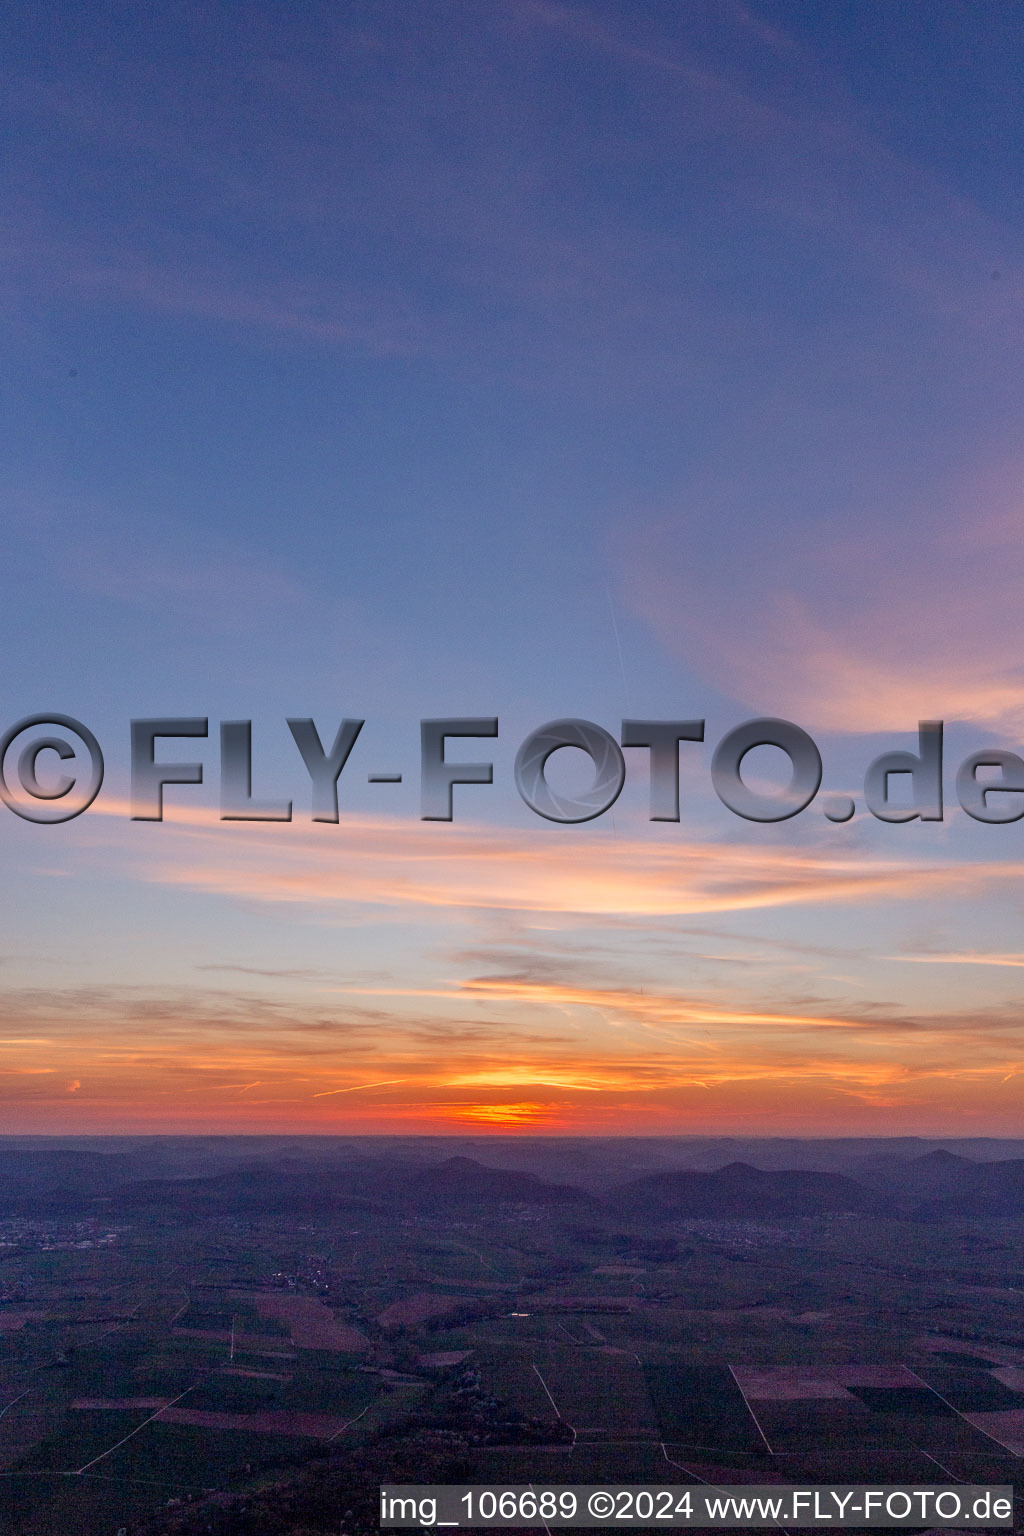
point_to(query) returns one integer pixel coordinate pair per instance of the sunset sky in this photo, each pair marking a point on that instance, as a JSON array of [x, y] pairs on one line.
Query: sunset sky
[[529, 360]]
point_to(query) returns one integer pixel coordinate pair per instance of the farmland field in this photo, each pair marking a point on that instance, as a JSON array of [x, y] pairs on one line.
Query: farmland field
[[220, 1360]]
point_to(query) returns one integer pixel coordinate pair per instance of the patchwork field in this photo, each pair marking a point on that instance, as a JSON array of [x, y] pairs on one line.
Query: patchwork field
[[223, 1361], [701, 1406], [310, 1324]]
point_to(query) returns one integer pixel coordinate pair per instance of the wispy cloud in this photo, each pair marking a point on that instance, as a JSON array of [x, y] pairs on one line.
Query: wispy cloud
[[1011, 961], [145, 561], [385, 1082], [865, 627], [391, 863], [274, 973], [189, 1057], [487, 236]]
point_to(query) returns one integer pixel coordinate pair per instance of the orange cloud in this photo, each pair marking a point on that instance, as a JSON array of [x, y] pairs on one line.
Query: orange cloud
[[1012, 961], [526, 1114], [631, 1061], [385, 862], [294, 1050]]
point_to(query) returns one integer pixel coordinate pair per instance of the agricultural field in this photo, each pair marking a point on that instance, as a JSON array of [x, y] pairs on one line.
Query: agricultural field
[[214, 1364]]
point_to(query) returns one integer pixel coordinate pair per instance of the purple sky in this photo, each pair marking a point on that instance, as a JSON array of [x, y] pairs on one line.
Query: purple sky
[[529, 360]]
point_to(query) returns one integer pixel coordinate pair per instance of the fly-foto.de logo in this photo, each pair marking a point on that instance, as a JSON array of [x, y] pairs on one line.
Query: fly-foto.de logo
[[51, 770]]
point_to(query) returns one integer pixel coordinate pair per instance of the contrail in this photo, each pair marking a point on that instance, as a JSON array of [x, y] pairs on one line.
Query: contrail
[[382, 1084]]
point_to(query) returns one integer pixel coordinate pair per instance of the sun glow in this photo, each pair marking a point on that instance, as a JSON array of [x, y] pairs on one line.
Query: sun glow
[[524, 1114]]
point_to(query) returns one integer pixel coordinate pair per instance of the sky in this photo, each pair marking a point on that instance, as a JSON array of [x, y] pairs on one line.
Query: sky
[[524, 360]]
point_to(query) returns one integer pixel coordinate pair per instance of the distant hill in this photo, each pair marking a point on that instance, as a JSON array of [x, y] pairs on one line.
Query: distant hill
[[462, 1180], [296, 1185], [936, 1173], [182, 1177], [741, 1191], [978, 1190], [28, 1176], [249, 1190], [943, 1186]]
